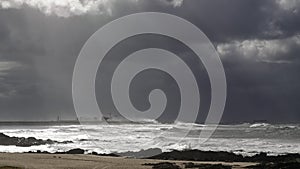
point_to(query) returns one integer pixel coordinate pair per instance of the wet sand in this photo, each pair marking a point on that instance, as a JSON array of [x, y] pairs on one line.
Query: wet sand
[[69, 161]]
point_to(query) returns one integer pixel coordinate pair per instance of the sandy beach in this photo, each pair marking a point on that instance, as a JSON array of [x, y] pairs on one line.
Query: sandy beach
[[69, 161]]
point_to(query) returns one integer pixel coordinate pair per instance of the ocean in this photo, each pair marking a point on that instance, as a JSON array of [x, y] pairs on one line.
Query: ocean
[[245, 139]]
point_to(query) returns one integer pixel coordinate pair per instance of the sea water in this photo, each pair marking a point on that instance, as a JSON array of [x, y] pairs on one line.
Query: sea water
[[246, 139]]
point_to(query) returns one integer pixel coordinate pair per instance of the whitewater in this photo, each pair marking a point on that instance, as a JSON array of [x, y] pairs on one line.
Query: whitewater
[[245, 139]]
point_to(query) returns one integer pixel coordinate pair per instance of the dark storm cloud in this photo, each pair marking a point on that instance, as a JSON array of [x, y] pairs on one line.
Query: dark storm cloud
[[258, 42]]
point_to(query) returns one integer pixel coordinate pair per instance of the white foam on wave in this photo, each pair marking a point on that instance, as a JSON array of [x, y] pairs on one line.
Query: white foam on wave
[[243, 139], [259, 125]]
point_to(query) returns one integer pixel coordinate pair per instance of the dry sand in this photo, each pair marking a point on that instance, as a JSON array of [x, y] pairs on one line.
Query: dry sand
[[64, 161]]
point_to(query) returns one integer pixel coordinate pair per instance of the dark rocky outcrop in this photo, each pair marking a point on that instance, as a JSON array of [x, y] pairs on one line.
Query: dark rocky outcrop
[[263, 157], [207, 166], [277, 165], [163, 165], [288, 161], [75, 151], [100, 154], [198, 155], [142, 153], [25, 142], [168, 165]]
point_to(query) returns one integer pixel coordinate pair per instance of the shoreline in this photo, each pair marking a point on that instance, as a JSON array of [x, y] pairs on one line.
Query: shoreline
[[86, 161], [6, 140], [93, 122], [77, 158]]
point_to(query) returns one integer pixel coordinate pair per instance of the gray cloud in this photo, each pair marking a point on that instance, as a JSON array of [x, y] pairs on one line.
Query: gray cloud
[[270, 51], [63, 8], [258, 42], [69, 8]]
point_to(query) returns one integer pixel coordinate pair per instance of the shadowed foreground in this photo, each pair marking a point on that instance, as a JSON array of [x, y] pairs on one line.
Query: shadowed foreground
[[79, 161]]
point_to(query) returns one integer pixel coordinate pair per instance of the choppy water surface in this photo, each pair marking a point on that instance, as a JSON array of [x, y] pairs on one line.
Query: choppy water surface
[[247, 139]]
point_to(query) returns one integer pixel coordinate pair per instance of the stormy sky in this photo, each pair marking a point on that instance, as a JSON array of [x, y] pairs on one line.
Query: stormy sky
[[258, 42]]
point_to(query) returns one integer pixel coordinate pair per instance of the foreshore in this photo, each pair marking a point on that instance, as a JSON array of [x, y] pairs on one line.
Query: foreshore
[[77, 159], [82, 161], [153, 158]]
